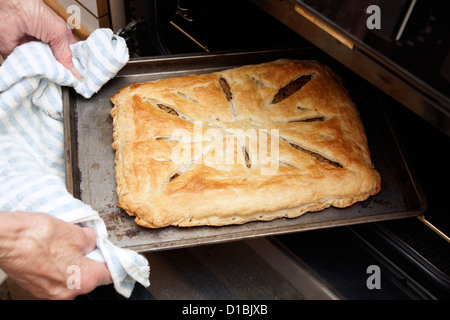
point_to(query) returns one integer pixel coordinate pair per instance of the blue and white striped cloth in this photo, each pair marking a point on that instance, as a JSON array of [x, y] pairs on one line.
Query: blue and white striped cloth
[[32, 172]]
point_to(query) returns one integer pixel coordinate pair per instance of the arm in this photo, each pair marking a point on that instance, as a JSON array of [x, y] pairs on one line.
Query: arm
[[41, 252]]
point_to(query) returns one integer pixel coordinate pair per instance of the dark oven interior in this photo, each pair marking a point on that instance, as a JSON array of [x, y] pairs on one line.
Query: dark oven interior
[[414, 258]]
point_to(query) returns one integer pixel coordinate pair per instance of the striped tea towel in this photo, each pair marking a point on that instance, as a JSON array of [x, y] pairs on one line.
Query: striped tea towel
[[32, 172]]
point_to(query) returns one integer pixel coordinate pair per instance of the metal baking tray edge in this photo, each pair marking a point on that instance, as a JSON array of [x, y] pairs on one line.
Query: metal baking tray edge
[[401, 194]]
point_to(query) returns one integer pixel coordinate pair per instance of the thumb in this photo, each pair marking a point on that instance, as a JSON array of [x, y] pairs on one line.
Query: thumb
[[61, 50], [93, 274], [97, 273]]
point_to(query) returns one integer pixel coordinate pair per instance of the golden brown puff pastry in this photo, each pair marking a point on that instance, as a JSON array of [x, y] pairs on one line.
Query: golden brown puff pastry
[[258, 142]]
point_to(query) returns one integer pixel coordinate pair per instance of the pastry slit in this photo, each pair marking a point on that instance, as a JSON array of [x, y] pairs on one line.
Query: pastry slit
[[291, 88], [176, 175], [176, 139], [289, 164], [226, 89], [172, 177], [316, 155], [314, 119], [181, 94], [228, 94], [246, 157], [187, 166], [260, 83], [167, 109], [160, 138]]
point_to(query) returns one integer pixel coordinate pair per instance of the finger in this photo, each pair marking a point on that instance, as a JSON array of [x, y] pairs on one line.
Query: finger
[[61, 51], [76, 74], [71, 40], [95, 274], [91, 240], [70, 37]]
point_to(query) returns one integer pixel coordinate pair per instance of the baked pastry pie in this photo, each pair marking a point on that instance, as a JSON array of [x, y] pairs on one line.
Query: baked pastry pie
[[258, 142]]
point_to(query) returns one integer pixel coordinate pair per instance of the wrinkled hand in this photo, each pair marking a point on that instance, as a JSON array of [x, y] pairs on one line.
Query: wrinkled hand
[[42, 253], [25, 20]]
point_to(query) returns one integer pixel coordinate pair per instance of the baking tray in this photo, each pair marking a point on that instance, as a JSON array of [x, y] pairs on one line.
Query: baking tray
[[90, 157]]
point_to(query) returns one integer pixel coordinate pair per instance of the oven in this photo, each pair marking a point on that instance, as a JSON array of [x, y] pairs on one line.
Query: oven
[[393, 54]]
